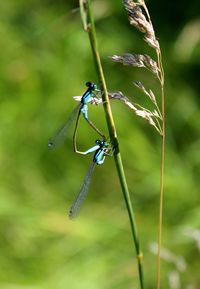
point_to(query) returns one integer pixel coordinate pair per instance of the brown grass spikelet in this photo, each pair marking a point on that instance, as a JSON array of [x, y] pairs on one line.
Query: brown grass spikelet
[[139, 20], [137, 60]]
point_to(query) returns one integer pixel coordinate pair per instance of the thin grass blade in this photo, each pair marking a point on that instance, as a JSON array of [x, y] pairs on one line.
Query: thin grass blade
[[60, 135], [83, 14], [82, 193]]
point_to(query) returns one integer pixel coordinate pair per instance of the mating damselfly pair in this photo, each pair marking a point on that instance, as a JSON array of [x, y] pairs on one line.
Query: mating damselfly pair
[[101, 149]]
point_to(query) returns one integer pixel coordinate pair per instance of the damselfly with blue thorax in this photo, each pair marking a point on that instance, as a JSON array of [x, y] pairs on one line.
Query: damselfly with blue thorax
[[81, 108], [101, 149]]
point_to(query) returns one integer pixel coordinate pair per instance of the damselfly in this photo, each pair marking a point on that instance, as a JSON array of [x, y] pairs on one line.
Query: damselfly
[[81, 108], [101, 150]]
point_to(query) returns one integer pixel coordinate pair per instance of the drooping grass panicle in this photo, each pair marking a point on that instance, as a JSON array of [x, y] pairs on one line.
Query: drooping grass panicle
[[153, 117], [138, 60], [139, 17]]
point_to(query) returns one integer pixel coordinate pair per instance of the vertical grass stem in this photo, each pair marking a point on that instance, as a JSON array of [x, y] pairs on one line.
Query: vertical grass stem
[[114, 139]]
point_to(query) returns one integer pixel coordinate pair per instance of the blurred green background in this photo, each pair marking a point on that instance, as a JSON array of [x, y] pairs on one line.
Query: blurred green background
[[45, 60]]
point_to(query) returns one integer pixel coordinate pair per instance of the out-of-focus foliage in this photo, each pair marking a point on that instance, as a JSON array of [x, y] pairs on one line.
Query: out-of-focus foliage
[[45, 60]]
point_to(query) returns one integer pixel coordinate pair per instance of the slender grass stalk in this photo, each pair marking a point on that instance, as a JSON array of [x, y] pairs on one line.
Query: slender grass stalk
[[162, 169], [162, 83], [159, 56], [113, 136], [142, 22]]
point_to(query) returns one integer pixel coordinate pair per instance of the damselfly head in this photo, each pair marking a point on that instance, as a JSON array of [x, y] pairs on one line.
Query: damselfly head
[[91, 85], [101, 143]]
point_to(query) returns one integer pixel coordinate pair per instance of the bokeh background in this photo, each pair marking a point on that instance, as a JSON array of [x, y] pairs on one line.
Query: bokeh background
[[45, 60]]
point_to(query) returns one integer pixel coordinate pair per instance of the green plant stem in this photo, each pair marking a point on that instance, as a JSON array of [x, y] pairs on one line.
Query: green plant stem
[[160, 221], [161, 201], [159, 57], [114, 139]]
